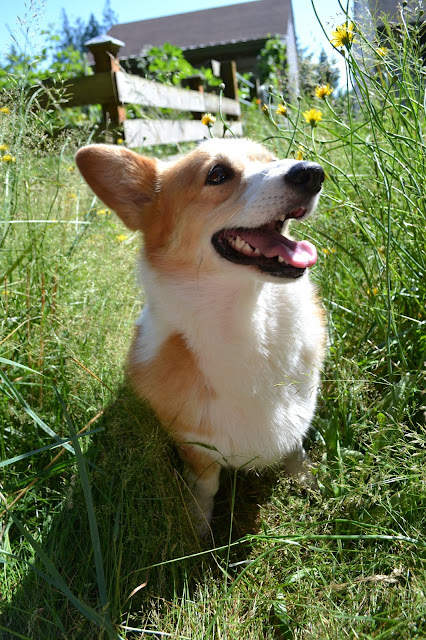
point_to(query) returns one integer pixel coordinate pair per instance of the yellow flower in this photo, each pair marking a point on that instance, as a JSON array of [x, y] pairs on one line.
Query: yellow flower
[[265, 109], [71, 168], [313, 116], [326, 252], [103, 212], [299, 154], [121, 237], [71, 196], [374, 291], [120, 140], [382, 52], [281, 110], [8, 158], [5, 110], [323, 90], [208, 119], [4, 147], [343, 36]]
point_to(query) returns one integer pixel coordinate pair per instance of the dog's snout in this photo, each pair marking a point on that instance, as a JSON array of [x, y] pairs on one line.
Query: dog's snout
[[308, 176]]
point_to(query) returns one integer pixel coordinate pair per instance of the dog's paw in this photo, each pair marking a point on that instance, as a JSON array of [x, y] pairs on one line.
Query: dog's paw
[[299, 466]]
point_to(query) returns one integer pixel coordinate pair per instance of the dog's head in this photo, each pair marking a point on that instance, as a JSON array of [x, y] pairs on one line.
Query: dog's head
[[228, 202]]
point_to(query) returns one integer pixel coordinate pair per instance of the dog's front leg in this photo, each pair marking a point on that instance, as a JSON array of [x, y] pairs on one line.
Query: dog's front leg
[[298, 465], [202, 476]]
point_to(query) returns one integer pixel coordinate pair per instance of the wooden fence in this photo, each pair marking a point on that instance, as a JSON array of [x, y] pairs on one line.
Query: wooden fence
[[111, 87]]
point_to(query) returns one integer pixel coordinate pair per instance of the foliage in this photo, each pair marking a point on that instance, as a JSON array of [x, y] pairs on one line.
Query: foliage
[[313, 74], [271, 67], [76, 35], [167, 64], [21, 69]]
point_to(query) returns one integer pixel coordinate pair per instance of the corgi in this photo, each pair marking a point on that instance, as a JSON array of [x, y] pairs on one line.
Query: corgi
[[229, 345]]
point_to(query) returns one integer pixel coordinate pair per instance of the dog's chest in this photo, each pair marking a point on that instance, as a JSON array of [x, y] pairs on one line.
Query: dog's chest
[[259, 357]]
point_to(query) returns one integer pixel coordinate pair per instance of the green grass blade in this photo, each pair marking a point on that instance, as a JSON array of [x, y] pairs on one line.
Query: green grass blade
[[94, 532]]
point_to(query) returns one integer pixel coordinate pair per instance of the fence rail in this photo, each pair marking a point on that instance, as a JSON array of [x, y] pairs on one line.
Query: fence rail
[[113, 88]]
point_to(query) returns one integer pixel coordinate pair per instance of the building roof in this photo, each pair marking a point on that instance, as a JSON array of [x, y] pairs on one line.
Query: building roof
[[210, 27]]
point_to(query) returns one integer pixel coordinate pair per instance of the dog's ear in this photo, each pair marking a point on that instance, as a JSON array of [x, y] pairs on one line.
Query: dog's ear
[[122, 179]]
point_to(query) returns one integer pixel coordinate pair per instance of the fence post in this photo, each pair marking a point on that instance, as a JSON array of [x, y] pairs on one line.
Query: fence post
[[228, 71], [104, 49]]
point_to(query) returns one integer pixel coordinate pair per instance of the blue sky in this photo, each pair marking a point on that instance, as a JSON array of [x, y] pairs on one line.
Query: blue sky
[[20, 16]]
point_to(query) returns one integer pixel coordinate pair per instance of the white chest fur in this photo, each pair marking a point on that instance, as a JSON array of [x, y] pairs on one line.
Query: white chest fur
[[258, 347]]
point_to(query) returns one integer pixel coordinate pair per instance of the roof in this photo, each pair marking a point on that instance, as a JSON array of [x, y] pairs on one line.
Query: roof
[[209, 27]]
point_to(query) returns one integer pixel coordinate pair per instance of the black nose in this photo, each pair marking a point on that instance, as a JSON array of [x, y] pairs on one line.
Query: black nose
[[306, 176]]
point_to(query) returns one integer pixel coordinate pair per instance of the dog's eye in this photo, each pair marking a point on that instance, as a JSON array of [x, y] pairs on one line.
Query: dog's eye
[[219, 174]]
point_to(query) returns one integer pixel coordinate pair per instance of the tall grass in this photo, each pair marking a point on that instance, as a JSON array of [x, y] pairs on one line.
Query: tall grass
[[95, 539]]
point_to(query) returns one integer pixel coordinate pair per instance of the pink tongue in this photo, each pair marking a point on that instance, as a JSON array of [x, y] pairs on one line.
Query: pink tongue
[[272, 243]]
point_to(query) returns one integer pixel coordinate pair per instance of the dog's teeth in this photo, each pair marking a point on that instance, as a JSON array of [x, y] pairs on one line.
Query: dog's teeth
[[281, 259], [256, 252], [239, 243], [247, 248]]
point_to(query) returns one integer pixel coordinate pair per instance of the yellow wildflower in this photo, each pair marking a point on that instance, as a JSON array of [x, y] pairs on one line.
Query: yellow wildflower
[[374, 291], [299, 154], [120, 140], [208, 119], [103, 212], [312, 116], [8, 158], [4, 147], [5, 110], [71, 168], [72, 196], [343, 36], [382, 51], [121, 237], [281, 110], [323, 90], [265, 109]]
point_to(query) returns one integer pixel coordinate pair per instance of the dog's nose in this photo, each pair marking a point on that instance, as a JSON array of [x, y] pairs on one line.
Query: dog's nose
[[308, 176]]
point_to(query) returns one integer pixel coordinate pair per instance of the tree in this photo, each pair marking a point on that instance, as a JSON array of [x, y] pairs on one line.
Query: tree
[[76, 35], [313, 73]]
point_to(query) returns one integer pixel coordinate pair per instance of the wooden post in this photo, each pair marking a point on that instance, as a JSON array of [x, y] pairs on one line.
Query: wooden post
[[228, 71], [195, 83], [104, 50]]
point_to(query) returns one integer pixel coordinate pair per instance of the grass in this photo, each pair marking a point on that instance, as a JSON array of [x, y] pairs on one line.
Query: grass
[[95, 539]]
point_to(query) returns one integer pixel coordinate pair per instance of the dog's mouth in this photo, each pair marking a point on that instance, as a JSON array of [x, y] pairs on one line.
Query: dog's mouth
[[266, 248]]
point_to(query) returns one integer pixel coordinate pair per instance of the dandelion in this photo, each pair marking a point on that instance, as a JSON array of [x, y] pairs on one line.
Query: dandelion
[[121, 237], [4, 147], [71, 168], [120, 140], [281, 110], [208, 119], [299, 154], [327, 252], [323, 90], [312, 116], [103, 212], [343, 36], [5, 110], [8, 158], [382, 52]]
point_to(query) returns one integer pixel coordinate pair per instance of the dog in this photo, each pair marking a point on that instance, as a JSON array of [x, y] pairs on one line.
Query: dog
[[230, 343]]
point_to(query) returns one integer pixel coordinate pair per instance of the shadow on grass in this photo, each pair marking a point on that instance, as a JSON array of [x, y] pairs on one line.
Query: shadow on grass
[[151, 553]]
